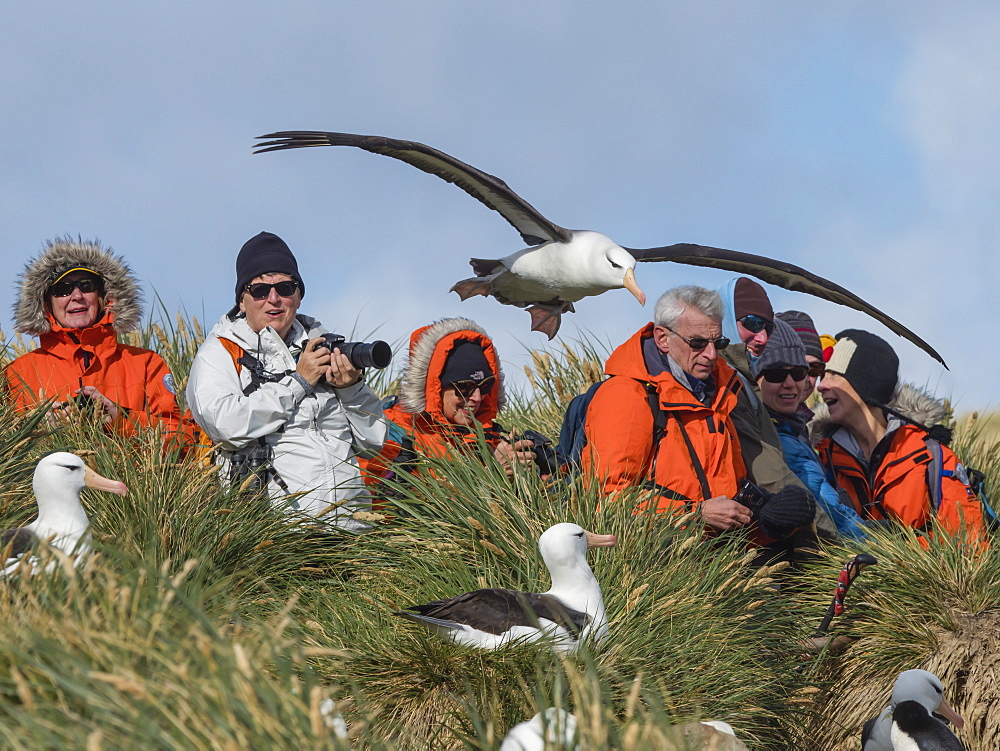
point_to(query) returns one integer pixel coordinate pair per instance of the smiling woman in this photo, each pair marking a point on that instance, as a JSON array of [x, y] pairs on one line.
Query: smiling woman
[[290, 417], [76, 297], [877, 447]]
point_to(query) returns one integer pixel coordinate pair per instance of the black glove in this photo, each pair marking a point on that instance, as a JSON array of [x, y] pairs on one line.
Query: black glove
[[785, 511]]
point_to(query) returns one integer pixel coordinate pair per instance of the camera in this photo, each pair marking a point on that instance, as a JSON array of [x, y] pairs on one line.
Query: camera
[[752, 496], [545, 456], [84, 403], [361, 354]]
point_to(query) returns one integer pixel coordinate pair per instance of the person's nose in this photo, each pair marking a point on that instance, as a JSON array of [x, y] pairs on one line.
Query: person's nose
[[76, 295], [273, 297]]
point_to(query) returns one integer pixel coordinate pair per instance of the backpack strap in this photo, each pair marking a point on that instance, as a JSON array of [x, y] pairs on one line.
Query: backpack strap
[[935, 472], [235, 351]]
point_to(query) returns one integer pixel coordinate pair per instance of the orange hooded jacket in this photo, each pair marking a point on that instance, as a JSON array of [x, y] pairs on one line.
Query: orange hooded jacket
[[137, 380], [418, 411], [619, 428], [896, 487]]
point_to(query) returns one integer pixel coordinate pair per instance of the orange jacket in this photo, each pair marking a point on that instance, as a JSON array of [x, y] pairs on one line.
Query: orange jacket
[[135, 379], [419, 410], [896, 484], [619, 429]]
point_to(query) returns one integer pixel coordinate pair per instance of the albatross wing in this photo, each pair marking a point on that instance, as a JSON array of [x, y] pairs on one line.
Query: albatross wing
[[489, 190], [780, 274], [499, 615]]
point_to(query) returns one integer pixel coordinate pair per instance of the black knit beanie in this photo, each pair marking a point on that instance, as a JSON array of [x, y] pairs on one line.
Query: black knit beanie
[[868, 363], [467, 362], [265, 254]]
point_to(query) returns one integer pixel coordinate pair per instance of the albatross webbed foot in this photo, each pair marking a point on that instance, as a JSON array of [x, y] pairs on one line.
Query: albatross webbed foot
[[546, 318]]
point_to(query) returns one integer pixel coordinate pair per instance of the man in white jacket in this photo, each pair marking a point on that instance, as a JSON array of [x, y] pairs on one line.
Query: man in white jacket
[[295, 413]]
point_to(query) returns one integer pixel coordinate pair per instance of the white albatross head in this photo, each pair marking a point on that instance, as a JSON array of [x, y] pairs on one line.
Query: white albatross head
[[926, 689], [604, 263], [565, 545], [57, 483]]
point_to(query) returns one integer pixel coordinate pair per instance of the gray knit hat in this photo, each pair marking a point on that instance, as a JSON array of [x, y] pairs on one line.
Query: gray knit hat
[[784, 350], [806, 330]]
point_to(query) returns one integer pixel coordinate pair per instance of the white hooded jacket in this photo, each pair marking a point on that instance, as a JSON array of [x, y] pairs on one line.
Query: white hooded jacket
[[315, 437]]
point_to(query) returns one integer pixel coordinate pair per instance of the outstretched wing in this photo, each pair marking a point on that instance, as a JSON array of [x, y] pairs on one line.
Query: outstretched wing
[[489, 190], [780, 274]]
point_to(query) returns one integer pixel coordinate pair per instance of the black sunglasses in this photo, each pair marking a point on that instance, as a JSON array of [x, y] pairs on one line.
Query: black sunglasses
[[755, 324], [262, 290], [698, 343], [467, 388], [85, 285], [778, 375], [817, 369]]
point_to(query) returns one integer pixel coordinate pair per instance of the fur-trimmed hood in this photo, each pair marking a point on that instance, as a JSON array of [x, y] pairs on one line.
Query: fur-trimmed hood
[[123, 295], [915, 403], [420, 390]]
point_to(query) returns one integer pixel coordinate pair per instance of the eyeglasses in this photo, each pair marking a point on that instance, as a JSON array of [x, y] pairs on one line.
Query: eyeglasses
[[467, 388], [778, 375], [262, 290], [85, 285], [755, 324], [817, 369], [698, 343]]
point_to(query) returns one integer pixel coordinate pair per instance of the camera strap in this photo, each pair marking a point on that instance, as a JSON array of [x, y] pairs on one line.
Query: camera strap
[[706, 491]]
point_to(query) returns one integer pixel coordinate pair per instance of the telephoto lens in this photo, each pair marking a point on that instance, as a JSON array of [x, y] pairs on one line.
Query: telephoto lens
[[376, 354]]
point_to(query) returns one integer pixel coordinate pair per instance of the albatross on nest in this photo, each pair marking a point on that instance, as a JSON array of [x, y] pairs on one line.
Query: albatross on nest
[[912, 687], [61, 522], [562, 266], [569, 613]]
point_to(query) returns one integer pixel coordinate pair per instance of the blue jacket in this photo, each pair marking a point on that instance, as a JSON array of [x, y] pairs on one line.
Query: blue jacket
[[803, 461]]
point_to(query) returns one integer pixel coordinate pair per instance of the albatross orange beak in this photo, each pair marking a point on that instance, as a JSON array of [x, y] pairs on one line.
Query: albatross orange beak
[[601, 541], [95, 481], [946, 711], [630, 284]]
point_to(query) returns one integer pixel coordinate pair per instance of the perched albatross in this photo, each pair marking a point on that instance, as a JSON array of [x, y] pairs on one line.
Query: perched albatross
[[916, 729], [912, 686], [61, 522], [562, 266], [569, 613]]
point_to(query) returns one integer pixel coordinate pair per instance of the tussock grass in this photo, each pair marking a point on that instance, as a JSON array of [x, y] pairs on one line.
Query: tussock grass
[[205, 619]]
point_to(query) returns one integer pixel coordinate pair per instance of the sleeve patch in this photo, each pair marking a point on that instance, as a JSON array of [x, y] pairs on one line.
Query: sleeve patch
[[168, 382]]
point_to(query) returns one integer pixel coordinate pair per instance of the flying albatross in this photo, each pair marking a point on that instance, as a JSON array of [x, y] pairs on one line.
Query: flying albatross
[[61, 522], [562, 266], [919, 687], [571, 611]]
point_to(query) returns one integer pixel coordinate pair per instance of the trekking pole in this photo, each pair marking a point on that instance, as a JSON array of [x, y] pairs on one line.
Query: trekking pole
[[854, 566]]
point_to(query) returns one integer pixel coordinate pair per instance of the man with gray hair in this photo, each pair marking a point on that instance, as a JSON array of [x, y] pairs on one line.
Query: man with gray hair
[[671, 369]]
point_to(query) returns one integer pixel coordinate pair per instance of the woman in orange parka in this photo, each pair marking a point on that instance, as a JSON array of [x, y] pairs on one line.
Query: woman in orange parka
[[452, 386], [876, 446], [77, 297]]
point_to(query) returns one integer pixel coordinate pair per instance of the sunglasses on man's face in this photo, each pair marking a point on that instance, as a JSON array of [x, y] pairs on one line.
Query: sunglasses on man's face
[[698, 343], [817, 369], [778, 375], [468, 388], [85, 285], [262, 290], [755, 324]]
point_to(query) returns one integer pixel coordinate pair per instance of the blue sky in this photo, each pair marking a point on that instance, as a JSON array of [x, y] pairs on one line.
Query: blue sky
[[858, 140]]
